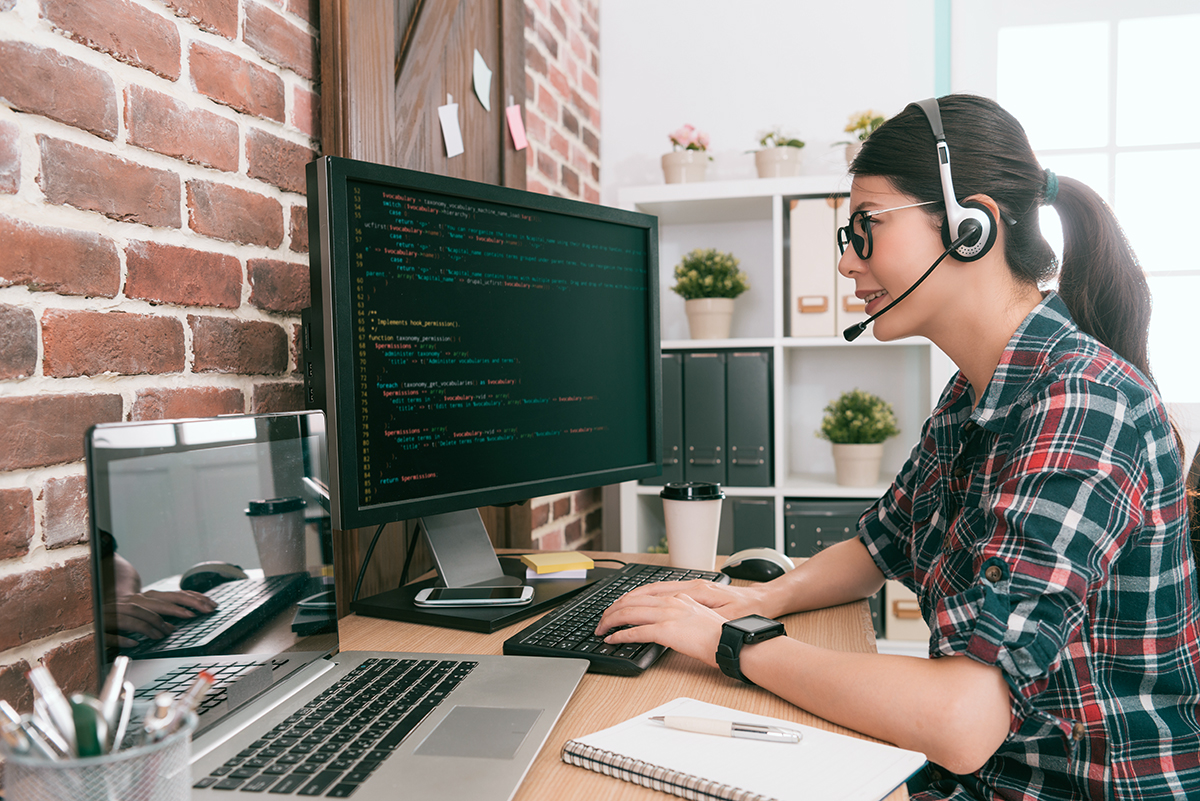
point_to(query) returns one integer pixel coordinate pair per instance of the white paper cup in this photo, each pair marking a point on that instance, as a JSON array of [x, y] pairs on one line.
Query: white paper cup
[[692, 512], [278, 526]]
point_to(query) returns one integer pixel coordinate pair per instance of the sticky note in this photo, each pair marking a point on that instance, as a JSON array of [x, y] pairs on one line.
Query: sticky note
[[450, 130], [554, 562], [516, 126], [483, 81]]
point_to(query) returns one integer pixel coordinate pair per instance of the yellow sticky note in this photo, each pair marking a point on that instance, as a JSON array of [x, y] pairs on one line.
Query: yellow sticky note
[[556, 561]]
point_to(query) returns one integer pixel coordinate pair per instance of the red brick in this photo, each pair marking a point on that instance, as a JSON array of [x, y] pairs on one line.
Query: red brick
[[235, 82], [93, 181], [278, 285], [546, 165], [73, 665], [217, 16], [590, 141], [58, 260], [546, 103], [298, 233], [586, 108], [548, 39], [43, 81], [165, 125], [18, 342], [278, 397], [552, 540], [591, 195], [572, 532], [589, 84], [10, 157], [539, 511], [279, 41], [585, 499], [535, 126], [570, 180], [297, 347], [277, 161], [43, 602], [535, 60], [306, 112], [14, 687], [537, 187], [235, 215], [307, 10], [94, 343], [125, 31], [246, 347], [16, 521], [66, 521], [590, 30], [562, 507], [184, 276], [173, 404], [594, 520], [570, 122], [560, 145], [41, 430], [558, 80]]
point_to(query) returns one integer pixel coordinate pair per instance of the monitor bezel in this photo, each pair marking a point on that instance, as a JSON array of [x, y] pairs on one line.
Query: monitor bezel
[[331, 344]]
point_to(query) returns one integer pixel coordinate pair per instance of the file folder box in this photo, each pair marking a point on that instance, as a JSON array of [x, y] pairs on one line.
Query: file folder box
[[812, 268], [705, 455], [902, 616], [749, 414], [753, 523], [672, 398]]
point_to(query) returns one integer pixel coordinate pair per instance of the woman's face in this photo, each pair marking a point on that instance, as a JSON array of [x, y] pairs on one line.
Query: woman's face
[[904, 242]]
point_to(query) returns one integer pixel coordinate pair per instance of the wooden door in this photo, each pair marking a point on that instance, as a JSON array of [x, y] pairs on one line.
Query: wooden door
[[386, 67]]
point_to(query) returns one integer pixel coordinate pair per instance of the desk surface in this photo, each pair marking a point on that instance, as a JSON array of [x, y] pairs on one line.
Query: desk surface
[[602, 701]]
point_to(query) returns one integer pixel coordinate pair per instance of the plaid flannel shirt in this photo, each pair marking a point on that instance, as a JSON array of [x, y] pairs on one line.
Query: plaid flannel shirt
[[1045, 532]]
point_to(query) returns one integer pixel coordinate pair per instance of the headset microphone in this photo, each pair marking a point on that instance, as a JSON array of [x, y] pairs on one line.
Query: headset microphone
[[970, 228]]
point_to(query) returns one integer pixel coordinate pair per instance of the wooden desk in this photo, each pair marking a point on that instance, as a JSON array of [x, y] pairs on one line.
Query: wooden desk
[[602, 701]]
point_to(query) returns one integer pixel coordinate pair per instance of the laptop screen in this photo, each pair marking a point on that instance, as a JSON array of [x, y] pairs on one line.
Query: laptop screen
[[231, 507]]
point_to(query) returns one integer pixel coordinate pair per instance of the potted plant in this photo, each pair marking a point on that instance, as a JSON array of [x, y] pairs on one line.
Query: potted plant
[[688, 159], [779, 155], [708, 281], [856, 424], [862, 124]]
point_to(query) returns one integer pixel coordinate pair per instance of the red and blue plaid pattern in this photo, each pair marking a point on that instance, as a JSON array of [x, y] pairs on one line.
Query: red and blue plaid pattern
[[1045, 532]]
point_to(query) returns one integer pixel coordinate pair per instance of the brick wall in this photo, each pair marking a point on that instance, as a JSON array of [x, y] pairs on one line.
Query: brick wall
[[153, 232], [152, 223]]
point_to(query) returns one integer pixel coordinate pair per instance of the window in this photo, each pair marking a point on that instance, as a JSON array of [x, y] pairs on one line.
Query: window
[[1108, 97]]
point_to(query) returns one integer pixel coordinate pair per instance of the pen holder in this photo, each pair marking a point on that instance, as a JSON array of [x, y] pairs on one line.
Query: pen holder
[[152, 772]]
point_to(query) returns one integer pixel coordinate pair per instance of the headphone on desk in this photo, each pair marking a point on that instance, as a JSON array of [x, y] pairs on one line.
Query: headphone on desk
[[958, 214]]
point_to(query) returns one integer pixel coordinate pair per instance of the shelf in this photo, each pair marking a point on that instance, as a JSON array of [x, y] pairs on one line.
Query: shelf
[[736, 343]]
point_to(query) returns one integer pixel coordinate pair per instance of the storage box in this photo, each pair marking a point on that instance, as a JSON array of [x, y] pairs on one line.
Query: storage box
[[902, 614]]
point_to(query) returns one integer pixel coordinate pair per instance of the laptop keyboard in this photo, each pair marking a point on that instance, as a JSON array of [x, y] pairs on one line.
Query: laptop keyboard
[[570, 630], [243, 605], [334, 743]]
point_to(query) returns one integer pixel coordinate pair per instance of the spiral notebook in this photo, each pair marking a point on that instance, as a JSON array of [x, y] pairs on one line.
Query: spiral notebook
[[832, 767]]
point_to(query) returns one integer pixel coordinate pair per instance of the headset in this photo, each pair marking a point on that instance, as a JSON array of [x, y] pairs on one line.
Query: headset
[[968, 232], [958, 214]]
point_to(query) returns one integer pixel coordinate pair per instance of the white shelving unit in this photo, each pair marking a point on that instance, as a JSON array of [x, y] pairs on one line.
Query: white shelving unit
[[746, 218]]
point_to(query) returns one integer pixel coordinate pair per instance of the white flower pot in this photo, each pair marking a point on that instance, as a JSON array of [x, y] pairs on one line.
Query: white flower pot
[[709, 318], [778, 162], [857, 465], [684, 166]]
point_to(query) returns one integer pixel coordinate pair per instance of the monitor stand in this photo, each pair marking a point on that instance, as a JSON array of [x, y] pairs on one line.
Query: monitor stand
[[464, 556]]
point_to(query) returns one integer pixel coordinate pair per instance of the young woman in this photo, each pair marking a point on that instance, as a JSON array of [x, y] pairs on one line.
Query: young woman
[[1040, 518]]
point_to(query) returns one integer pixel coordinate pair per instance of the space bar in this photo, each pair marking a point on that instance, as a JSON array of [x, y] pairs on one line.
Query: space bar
[[405, 725]]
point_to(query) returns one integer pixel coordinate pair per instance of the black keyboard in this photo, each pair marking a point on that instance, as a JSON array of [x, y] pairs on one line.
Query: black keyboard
[[224, 674], [333, 744], [570, 630], [242, 607]]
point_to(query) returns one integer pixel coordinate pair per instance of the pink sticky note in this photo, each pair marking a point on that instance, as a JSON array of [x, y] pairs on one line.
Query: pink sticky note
[[516, 127]]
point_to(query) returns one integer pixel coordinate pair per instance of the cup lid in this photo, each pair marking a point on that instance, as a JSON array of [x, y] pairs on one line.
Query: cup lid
[[692, 491], [275, 506]]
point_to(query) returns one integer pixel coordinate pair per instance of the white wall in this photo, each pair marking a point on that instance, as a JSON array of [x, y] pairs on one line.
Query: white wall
[[734, 69]]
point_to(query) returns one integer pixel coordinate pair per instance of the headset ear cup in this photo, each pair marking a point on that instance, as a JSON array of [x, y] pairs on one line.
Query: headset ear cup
[[972, 254]]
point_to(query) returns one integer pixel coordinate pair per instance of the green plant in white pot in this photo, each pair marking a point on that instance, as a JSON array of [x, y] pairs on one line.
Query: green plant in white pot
[[779, 155], [708, 281], [856, 424]]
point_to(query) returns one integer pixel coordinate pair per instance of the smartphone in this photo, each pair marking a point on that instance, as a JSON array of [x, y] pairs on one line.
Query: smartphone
[[474, 596]]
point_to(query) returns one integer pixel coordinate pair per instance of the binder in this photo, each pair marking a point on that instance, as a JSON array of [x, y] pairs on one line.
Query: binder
[[704, 417], [812, 274], [749, 414], [753, 523], [672, 399]]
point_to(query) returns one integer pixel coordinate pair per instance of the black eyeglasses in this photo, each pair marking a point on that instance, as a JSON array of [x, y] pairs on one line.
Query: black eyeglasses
[[857, 232]]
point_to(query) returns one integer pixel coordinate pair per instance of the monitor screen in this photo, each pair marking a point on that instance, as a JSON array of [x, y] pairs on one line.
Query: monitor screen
[[474, 345]]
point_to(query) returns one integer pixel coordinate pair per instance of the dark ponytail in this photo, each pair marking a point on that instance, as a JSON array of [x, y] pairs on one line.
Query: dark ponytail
[[1100, 282]]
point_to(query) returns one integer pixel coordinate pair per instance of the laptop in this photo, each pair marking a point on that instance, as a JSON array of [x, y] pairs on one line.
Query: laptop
[[238, 502]]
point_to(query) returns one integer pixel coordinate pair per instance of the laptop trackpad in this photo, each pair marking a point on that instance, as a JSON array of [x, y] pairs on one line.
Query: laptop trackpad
[[480, 731]]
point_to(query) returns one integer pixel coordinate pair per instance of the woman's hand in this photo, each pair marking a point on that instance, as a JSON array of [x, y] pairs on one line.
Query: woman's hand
[[143, 613], [675, 620]]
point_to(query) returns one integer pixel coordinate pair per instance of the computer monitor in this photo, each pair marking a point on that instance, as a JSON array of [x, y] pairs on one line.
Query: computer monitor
[[475, 345]]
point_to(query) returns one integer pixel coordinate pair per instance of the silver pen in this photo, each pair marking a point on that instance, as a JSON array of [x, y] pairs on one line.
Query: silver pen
[[730, 728]]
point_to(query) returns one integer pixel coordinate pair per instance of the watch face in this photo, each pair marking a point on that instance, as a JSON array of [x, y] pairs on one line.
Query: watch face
[[754, 624]]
